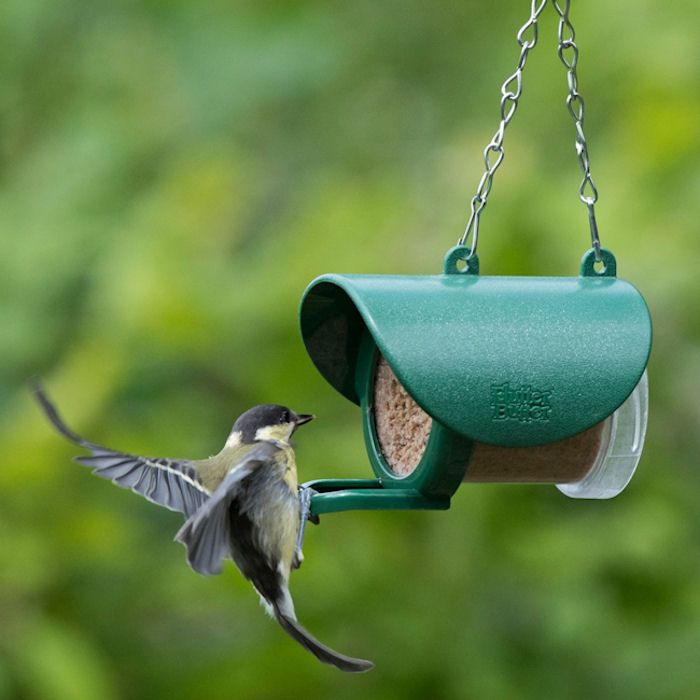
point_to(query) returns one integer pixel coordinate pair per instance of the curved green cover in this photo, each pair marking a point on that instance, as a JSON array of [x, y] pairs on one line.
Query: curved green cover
[[512, 361]]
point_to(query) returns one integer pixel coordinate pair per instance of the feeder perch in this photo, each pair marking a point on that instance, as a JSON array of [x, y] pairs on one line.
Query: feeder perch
[[463, 377]]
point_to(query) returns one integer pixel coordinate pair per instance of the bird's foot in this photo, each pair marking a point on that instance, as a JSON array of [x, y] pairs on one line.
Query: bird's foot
[[305, 495]]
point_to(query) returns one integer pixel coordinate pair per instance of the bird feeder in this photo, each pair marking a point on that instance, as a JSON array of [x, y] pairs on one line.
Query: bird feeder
[[463, 377]]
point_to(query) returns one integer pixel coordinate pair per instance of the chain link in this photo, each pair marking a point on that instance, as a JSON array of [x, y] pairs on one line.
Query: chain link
[[511, 91], [568, 53]]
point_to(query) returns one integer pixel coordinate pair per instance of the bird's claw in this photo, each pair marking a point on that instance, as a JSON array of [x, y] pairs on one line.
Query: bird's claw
[[306, 493]]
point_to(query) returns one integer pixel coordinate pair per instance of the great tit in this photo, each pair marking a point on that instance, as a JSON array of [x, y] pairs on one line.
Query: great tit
[[243, 503]]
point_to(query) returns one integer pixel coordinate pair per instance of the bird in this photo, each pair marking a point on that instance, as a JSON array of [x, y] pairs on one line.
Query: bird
[[243, 503]]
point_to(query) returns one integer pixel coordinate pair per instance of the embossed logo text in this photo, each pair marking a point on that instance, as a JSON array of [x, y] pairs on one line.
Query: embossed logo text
[[523, 403]]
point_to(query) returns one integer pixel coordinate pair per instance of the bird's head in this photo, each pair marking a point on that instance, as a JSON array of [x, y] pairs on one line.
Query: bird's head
[[266, 422]]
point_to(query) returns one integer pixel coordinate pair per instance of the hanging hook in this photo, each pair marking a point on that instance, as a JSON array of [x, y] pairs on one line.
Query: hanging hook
[[595, 239], [477, 205]]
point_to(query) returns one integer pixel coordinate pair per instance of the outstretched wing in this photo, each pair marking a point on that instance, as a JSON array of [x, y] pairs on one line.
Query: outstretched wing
[[206, 534], [172, 483], [168, 482]]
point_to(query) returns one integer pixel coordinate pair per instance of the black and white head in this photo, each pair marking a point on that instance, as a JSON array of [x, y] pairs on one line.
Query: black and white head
[[266, 422]]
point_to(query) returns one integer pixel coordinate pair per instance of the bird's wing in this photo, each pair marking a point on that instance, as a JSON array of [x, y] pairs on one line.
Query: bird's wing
[[206, 533], [173, 483]]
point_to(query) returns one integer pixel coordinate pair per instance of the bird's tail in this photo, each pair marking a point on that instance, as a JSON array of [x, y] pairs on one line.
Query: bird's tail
[[318, 649]]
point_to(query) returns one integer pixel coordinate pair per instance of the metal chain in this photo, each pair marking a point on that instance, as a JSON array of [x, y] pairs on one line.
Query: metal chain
[[568, 53], [511, 90]]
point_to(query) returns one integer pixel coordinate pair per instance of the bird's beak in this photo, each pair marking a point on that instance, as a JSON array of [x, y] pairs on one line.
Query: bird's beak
[[303, 418]]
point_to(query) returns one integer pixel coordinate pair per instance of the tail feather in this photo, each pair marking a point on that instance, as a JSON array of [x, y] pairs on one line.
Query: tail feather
[[320, 650]]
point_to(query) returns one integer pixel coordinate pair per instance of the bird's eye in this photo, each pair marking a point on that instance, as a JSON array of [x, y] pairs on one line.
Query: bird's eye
[[285, 418]]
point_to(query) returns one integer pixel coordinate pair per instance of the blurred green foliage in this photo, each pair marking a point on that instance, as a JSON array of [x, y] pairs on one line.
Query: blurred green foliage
[[172, 175]]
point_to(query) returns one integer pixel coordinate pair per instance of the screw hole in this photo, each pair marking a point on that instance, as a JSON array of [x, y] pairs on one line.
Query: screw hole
[[599, 267], [461, 265]]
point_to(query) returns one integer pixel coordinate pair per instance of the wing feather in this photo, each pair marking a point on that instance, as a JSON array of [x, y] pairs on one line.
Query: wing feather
[[172, 483], [206, 534]]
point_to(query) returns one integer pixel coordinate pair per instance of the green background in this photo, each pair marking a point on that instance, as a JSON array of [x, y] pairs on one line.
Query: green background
[[172, 175]]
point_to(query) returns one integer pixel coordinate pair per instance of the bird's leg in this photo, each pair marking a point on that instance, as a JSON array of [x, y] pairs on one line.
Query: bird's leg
[[305, 495]]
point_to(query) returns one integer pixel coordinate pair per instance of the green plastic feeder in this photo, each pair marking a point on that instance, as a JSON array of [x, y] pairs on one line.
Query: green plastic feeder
[[505, 362]]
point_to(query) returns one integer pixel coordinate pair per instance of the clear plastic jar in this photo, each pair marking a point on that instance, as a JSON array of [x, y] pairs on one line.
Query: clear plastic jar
[[620, 449]]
